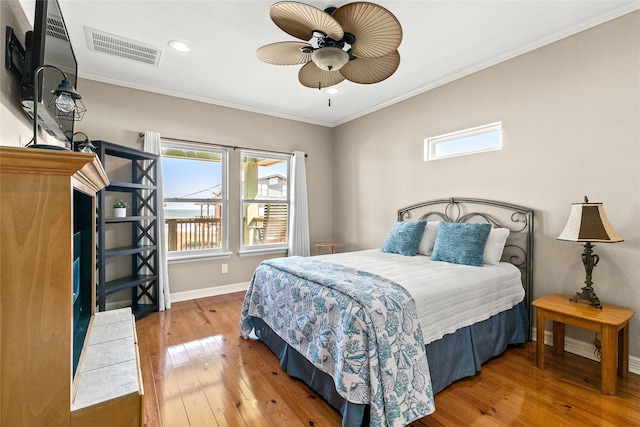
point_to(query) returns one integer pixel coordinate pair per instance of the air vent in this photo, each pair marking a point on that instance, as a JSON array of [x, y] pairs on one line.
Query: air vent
[[111, 44], [55, 28]]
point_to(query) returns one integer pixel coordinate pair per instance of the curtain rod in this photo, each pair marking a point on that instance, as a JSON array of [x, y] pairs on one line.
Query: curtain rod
[[234, 147]]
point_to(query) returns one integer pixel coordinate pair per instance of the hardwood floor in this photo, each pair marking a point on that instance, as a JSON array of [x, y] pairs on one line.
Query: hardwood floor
[[197, 371]]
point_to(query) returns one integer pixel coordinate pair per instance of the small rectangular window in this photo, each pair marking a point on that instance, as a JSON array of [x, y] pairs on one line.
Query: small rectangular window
[[470, 141]]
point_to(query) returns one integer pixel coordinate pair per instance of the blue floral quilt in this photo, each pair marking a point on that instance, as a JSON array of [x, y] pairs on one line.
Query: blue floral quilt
[[360, 328]]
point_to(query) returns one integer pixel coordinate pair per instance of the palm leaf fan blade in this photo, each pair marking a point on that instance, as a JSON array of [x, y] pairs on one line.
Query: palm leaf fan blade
[[371, 70], [377, 31], [284, 53], [300, 20], [312, 76]]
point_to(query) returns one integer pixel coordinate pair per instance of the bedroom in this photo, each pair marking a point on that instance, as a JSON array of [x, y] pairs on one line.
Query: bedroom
[[569, 110]]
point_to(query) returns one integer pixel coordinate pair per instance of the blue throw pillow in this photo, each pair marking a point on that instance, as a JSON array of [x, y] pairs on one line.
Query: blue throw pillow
[[404, 238], [461, 243]]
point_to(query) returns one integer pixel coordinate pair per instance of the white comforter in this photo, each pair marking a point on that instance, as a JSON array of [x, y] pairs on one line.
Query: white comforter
[[448, 296]]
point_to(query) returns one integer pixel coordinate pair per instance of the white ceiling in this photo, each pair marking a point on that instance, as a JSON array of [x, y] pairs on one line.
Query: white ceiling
[[442, 41]]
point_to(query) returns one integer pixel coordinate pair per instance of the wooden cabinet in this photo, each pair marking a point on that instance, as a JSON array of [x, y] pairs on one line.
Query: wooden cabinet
[[46, 196], [128, 264]]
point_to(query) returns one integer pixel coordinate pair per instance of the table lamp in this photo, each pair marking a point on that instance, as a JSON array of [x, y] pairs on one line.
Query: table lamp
[[588, 223]]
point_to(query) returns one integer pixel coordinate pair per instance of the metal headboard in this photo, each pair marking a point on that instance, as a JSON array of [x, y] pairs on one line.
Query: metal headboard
[[518, 219]]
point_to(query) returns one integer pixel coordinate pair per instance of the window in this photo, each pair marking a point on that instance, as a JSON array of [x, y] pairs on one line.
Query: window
[[265, 200], [470, 141], [195, 200]]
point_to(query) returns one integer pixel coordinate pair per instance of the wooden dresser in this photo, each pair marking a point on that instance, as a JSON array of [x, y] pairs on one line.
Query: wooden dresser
[[37, 192]]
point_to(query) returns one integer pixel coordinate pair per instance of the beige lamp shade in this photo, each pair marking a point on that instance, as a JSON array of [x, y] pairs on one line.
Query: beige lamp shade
[[589, 223]]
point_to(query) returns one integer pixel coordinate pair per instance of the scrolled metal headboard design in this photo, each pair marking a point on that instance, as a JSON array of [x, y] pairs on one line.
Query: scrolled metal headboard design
[[518, 219]]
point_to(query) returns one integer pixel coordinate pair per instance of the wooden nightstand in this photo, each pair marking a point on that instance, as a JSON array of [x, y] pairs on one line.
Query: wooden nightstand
[[612, 322], [332, 245]]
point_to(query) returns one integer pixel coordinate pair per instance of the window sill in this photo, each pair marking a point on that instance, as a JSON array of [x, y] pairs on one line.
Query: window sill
[[262, 251], [198, 257]]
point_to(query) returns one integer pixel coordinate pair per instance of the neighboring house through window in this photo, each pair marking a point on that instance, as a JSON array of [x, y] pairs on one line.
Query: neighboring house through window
[[195, 200], [265, 200]]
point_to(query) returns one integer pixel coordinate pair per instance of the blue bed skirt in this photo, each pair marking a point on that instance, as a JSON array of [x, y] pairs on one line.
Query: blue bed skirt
[[451, 358]]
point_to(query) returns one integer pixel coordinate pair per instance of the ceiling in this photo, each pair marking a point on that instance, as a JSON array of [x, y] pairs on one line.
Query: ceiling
[[442, 41]]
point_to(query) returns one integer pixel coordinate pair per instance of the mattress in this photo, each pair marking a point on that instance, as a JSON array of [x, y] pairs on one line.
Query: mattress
[[448, 296]]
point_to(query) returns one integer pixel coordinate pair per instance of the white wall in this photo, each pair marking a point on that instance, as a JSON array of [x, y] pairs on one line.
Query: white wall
[[16, 129], [571, 127], [14, 125]]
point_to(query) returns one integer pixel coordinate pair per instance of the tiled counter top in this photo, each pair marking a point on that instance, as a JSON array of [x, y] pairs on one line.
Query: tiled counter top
[[110, 367]]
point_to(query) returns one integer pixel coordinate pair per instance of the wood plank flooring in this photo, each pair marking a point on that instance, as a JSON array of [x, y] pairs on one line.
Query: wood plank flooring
[[197, 371]]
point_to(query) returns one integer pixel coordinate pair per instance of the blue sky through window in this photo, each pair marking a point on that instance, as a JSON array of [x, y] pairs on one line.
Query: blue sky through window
[[194, 179], [469, 144], [189, 179], [475, 140]]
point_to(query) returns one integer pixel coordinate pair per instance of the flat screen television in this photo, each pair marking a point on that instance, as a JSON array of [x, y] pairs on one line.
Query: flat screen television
[[49, 44], [82, 291]]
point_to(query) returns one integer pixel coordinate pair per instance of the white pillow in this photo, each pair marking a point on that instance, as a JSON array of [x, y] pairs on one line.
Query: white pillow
[[495, 245], [428, 238]]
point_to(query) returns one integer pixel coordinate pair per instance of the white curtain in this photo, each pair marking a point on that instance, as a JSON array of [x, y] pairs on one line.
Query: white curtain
[[299, 216], [152, 145]]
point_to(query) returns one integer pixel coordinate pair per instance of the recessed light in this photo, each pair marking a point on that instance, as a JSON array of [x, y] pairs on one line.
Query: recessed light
[[179, 46], [332, 90]]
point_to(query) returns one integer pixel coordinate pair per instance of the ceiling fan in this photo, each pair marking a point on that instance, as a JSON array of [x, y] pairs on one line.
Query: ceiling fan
[[357, 42]]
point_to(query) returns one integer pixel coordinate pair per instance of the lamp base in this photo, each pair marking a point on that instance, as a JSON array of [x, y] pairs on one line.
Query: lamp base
[[587, 296]]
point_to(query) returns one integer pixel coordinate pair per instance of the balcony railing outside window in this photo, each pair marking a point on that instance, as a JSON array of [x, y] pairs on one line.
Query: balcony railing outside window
[[187, 234]]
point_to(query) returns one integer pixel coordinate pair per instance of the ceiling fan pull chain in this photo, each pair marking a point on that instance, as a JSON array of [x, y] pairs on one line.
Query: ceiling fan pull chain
[[329, 102]]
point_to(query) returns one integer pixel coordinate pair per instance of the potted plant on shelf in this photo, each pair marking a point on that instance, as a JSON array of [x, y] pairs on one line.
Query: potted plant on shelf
[[120, 209]]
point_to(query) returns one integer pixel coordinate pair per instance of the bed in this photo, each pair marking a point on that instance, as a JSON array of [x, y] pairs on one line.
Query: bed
[[379, 332]]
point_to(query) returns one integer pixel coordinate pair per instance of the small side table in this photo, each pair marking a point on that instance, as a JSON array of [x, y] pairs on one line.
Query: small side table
[[332, 245], [612, 322]]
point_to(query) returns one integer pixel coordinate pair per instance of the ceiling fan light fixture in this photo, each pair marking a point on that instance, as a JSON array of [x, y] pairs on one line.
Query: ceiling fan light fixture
[[330, 58]]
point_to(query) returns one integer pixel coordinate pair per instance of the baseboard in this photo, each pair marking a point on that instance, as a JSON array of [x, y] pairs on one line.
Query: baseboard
[[209, 292], [189, 295], [585, 349]]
